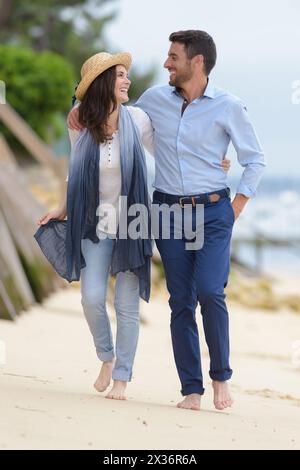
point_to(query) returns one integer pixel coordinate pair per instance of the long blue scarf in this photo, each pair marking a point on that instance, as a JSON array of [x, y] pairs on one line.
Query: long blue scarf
[[82, 204]]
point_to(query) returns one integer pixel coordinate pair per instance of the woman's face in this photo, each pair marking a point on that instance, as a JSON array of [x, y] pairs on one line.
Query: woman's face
[[122, 84]]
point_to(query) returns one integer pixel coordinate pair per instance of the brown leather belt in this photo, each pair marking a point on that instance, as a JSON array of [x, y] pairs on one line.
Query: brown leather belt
[[205, 198]]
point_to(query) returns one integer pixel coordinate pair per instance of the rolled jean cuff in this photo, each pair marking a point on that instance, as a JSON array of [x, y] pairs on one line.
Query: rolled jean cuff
[[221, 375], [123, 375], [105, 356], [192, 388]]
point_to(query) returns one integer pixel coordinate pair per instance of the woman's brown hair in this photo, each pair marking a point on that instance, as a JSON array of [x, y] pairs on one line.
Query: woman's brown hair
[[98, 103]]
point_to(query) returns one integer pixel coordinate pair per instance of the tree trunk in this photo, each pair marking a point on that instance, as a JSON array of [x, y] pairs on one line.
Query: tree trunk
[[5, 11]]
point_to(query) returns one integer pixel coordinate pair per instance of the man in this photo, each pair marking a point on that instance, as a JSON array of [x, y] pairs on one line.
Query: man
[[193, 124]]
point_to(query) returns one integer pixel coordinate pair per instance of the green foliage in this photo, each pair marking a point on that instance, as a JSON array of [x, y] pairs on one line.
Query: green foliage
[[74, 29], [38, 85]]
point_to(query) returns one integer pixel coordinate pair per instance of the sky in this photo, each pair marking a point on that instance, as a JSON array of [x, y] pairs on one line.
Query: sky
[[258, 44]]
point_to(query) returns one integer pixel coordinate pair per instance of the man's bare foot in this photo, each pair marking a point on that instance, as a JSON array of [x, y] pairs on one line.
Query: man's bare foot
[[191, 402], [104, 377], [222, 397], [117, 391]]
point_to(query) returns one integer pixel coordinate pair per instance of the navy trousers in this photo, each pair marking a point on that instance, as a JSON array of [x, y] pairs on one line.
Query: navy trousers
[[199, 276]]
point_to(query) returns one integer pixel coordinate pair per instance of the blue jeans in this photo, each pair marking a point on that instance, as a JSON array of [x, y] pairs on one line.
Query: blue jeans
[[94, 280], [200, 277]]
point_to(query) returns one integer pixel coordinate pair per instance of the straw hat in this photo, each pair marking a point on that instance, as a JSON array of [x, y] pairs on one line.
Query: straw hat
[[96, 65]]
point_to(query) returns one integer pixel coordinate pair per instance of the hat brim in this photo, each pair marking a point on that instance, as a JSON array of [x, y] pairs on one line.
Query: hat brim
[[123, 58]]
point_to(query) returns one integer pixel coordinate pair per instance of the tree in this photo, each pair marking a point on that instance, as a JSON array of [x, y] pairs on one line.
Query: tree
[[38, 86], [71, 28]]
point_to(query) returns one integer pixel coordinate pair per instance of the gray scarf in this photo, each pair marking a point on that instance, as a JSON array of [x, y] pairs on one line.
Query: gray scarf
[[83, 202]]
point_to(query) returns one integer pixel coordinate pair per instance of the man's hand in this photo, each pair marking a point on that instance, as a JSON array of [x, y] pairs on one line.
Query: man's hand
[[72, 120], [238, 204], [226, 163]]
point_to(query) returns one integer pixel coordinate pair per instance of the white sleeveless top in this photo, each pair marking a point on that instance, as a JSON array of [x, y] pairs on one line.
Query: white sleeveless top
[[110, 170]]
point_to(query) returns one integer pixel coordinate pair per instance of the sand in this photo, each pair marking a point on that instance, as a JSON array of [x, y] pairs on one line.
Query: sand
[[48, 401]]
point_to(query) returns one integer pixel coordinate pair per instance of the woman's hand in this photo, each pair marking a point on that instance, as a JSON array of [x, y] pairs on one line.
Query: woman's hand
[[59, 214], [226, 163]]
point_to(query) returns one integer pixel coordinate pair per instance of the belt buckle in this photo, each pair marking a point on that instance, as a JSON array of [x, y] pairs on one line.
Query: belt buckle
[[192, 198], [181, 203]]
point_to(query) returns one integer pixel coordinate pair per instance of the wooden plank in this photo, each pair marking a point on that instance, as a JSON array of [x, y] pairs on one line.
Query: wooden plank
[[10, 256], [7, 302], [6, 155], [31, 141], [21, 211]]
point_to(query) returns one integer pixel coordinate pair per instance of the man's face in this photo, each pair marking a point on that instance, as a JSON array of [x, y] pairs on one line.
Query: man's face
[[178, 65]]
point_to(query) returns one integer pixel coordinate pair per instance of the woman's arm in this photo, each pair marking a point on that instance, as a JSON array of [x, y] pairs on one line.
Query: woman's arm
[[60, 212], [73, 119], [144, 125]]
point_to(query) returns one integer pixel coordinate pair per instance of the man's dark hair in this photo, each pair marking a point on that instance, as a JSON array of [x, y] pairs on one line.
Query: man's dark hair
[[197, 42]]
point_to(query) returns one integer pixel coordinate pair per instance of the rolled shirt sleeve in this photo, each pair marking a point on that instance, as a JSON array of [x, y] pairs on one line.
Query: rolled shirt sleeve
[[249, 152]]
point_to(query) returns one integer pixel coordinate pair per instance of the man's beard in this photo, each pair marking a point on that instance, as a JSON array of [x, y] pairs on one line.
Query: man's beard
[[179, 80]]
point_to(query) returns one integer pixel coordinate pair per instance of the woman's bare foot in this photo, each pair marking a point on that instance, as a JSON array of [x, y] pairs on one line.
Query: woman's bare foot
[[117, 391], [222, 397], [191, 402], [104, 377]]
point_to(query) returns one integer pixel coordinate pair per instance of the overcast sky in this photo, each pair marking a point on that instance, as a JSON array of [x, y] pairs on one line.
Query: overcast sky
[[258, 45]]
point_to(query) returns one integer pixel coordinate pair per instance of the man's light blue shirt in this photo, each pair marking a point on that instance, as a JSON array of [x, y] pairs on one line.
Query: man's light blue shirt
[[189, 148]]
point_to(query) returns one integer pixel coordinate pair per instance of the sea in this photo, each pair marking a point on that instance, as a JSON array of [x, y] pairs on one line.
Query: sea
[[272, 216]]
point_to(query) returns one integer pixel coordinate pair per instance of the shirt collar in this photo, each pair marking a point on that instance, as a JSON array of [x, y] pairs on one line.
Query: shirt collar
[[209, 91]]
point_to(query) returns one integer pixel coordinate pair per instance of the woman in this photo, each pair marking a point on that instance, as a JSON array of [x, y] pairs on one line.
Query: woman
[[116, 132], [103, 88]]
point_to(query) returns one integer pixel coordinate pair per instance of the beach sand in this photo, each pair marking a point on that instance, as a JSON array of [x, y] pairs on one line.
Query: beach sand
[[48, 400]]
